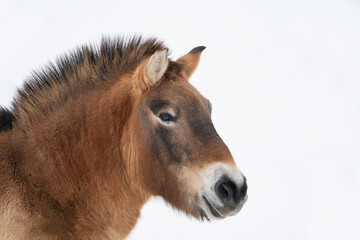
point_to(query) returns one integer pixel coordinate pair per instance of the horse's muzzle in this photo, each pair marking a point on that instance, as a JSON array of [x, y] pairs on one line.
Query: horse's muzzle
[[225, 192]]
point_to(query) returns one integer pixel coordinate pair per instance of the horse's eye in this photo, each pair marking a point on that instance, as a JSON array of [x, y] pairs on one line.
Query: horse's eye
[[166, 117]]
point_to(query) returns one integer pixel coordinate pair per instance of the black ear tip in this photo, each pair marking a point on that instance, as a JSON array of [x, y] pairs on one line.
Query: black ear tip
[[197, 50]]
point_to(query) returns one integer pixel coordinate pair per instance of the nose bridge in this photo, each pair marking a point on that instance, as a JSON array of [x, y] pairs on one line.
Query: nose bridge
[[219, 157], [216, 150], [208, 143]]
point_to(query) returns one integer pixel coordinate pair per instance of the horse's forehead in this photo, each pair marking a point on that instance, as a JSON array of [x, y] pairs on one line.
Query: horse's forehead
[[180, 90]]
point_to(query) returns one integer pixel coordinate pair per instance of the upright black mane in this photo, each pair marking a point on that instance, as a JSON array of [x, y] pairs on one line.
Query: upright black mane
[[6, 119], [76, 74]]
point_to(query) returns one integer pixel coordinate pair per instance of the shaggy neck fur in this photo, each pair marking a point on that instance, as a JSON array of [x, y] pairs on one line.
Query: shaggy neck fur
[[77, 173], [67, 156]]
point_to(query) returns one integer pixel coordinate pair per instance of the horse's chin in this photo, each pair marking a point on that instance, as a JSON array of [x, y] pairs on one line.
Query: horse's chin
[[210, 212], [205, 212]]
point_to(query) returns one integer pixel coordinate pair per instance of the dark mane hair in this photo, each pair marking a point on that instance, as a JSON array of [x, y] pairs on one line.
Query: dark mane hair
[[6, 119], [75, 74]]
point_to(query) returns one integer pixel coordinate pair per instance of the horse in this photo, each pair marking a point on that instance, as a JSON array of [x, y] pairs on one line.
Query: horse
[[90, 138]]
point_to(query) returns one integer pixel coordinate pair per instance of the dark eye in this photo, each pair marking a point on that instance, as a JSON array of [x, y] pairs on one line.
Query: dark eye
[[166, 117]]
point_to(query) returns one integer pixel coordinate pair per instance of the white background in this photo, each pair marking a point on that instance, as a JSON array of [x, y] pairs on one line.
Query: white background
[[284, 80]]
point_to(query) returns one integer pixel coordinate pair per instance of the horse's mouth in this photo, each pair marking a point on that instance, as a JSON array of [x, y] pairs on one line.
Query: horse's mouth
[[213, 211]]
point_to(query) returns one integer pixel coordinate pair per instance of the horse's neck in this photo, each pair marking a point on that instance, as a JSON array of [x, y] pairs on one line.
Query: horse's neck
[[74, 160]]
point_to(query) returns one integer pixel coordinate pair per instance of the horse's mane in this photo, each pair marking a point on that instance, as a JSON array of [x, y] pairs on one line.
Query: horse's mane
[[6, 119], [75, 74]]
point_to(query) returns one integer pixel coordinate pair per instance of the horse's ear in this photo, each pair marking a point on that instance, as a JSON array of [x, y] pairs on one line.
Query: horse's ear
[[156, 67], [151, 70], [190, 61]]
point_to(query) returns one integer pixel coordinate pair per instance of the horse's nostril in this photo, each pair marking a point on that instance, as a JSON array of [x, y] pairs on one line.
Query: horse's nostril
[[226, 190], [230, 193]]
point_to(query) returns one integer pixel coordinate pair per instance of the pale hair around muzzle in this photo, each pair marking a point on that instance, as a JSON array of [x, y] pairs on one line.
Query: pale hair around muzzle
[[224, 191]]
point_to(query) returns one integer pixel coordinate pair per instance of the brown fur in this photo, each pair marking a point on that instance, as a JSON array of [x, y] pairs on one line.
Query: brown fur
[[76, 163]]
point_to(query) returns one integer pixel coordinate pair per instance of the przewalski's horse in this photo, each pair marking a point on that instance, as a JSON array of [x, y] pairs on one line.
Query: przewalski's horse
[[89, 140]]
